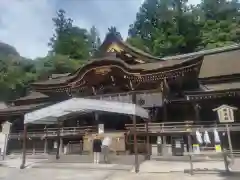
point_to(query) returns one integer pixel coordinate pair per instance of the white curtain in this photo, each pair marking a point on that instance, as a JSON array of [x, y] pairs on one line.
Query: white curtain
[[199, 137]]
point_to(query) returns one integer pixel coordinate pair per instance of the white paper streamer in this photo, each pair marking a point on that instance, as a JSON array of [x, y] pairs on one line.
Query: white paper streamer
[[216, 136], [206, 138], [199, 137]]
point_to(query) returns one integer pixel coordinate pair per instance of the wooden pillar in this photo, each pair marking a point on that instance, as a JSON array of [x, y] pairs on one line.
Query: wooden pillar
[[165, 118], [96, 118], [45, 145], [24, 148], [190, 153], [58, 140], [61, 146], [45, 141], [197, 112], [136, 164], [229, 141], [34, 149], [165, 91], [190, 143], [148, 141]]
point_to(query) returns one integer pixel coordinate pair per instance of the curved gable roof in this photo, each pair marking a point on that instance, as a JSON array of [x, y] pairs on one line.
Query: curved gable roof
[[112, 38]]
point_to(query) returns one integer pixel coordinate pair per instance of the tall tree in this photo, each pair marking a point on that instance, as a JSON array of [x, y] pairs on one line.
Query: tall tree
[[94, 39], [161, 24], [69, 40], [147, 21], [220, 23], [114, 30]]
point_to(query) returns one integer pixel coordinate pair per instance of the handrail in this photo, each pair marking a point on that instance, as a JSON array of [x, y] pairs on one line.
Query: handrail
[[181, 127], [53, 131]]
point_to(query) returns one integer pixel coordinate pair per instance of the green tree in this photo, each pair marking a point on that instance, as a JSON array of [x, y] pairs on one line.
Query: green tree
[[56, 64], [114, 30], [69, 40], [161, 24], [16, 73], [219, 23]]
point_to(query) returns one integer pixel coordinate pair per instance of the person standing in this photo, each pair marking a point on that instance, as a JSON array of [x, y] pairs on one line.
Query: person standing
[[106, 148], [97, 144]]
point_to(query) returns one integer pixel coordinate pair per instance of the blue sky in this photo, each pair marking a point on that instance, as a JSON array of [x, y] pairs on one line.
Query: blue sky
[[27, 24]]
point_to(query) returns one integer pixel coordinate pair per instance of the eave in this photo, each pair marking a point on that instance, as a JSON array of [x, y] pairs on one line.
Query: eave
[[138, 73], [213, 91], [21, 110]]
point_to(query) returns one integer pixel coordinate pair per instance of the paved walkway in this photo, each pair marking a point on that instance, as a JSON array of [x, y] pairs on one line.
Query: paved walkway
[[73, 174], [154, 166], [16, 162], [169, 176]]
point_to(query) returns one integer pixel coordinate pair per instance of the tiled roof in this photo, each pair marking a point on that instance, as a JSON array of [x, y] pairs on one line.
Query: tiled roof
[[99, 61], [221, 86], [217, 62], [20, 109], [32, 95]]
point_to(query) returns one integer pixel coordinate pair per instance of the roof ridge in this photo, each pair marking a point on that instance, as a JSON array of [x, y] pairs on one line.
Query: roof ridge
[[129, 46]]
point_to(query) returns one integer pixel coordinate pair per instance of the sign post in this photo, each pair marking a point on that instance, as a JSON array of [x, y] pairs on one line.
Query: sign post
[[226, 115]]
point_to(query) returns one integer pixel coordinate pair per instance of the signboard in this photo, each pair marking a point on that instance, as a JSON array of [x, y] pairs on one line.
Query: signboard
[[218, 148], [100, 128], [225, 113]]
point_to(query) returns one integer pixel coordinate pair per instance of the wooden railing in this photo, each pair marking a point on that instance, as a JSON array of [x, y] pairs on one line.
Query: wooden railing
[[178, 127], [52, 132], [169, 127]]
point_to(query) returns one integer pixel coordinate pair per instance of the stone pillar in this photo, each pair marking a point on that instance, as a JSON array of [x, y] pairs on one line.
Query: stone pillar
[[61, 146], [164, 144]]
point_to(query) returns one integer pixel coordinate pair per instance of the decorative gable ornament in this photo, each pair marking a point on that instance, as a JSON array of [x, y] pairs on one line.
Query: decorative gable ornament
[[225, 113]]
